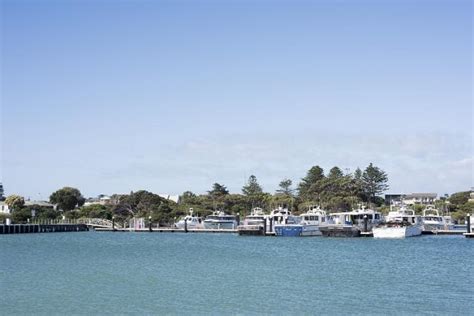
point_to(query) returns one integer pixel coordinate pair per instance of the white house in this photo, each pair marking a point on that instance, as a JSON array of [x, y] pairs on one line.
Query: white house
[[4, 208], [420, 198]]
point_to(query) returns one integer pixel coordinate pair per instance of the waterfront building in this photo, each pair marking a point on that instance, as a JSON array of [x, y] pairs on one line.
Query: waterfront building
[[102, 199], [410, 199], [39, 204], [394, 198], [420, 198], [4, 208]]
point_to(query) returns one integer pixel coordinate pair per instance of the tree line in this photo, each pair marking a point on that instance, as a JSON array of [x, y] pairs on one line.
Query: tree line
[[334, 191]]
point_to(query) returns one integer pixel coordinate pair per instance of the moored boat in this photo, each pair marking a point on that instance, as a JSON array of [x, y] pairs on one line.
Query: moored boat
[[306, 224], [277, 216], [253, 224], [190, 222], [351, 224], [220, 220], [433, 221], [399, 224]]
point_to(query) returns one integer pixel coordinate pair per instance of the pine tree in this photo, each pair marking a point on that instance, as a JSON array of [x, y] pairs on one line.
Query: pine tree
[[374, 181]]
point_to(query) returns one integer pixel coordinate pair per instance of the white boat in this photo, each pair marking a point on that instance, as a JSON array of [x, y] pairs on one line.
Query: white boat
[[220, 220], [277, 216], [351, 224], [253, 224], [306, 224], [433, 221], [190, 221], [399, 224]]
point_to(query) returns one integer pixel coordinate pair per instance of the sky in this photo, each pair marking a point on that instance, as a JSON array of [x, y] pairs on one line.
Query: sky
[[170, 96]]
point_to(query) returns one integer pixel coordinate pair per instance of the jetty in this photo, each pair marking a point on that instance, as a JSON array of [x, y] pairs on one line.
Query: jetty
[[41, 228], [165, 230]]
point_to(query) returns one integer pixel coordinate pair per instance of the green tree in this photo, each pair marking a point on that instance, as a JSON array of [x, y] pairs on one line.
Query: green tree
[[188, 197], [15, 202], [374, 182], [310, 186], [285, 187], [253, 192], [218, 190], [252, 187], [335, 173], [67, 198], [459, 198], [216, 196]]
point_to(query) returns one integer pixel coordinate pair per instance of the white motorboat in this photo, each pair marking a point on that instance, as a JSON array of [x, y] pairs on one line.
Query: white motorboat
[[351, 224], [220, 220], [277, 216], [253, 224], [399, 224], [307, 224], [433, 221], [190, 221]]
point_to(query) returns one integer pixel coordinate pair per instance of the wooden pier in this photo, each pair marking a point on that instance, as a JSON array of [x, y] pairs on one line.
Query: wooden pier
[[41, 228]]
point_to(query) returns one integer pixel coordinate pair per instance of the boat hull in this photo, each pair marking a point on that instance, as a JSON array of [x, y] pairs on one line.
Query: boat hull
[[250, 230], [288, 230], [397, 232], [340, 231], [429, 227], [297, 230], [220, 225], [189, 226]]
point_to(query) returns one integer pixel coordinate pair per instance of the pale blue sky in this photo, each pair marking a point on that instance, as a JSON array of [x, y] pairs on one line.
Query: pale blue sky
[[171, 96]]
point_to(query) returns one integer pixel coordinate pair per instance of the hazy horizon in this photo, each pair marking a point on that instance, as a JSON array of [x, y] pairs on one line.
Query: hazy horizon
[[111, 97]]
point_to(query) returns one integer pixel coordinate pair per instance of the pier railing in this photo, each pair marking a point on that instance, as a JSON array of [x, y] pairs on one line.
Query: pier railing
[[95, 222]]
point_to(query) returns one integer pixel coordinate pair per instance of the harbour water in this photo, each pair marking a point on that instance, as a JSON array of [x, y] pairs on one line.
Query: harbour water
[[151, 273]]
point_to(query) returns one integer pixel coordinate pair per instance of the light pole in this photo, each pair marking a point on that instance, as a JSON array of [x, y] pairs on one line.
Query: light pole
[[149, 221]]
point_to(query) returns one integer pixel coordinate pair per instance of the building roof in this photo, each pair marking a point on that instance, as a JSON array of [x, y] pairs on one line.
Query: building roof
[[39, 203], [421, 195]]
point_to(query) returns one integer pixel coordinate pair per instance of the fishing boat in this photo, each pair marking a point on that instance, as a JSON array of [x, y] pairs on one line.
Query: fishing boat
[[433, 221], [399, 224], [351, 224], [253, 224], [190, 222], [306, 224], [220, 220]]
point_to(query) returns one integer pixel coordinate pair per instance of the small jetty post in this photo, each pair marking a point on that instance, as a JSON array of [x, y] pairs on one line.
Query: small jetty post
[[264, 226], [185, 225], [271, 224], [149, 223], [365, 223], [113, 223], [238, 219], [468, 223]]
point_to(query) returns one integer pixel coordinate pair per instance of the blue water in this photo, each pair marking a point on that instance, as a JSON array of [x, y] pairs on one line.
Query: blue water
[[165, 273]]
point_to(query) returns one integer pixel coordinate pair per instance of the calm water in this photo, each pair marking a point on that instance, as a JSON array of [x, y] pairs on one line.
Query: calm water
[[108, 273]]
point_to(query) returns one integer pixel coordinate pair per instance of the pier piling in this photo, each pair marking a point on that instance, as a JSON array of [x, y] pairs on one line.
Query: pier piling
[[468, 223]]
